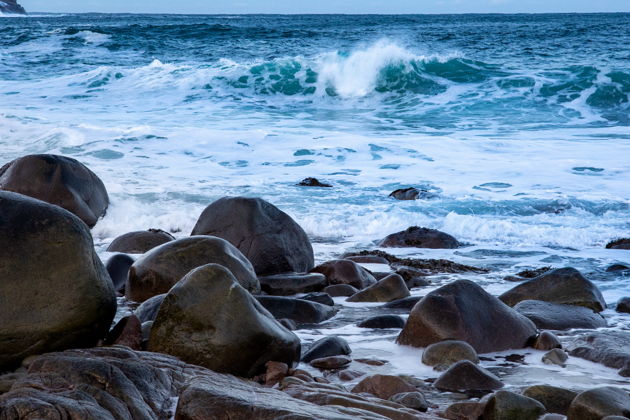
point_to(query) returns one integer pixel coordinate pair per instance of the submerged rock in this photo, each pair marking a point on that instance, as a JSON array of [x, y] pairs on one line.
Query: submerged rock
[[563, 285], [208, 319], [345, 272], [556, 316], [267, 236], [159, 269], [55, 292], [462, 310], [140, 242], [58, 180], [419, 238], [390, 288], [410, 193], [313, 182]]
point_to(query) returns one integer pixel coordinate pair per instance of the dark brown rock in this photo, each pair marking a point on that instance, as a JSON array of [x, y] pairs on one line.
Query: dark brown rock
[[564, 285], [58, 180], [325, 347], [505, 405], [462, 310], [597, 403], [445, 353], [313, 182], [337, 290], [623, 243], [555, 400], [140, 242], [268, 237], [464, 411], [419, 238], [127, 332], [292, 283], [55, 292], [390, 288], [382, 321], [414, 400], [467, 377], [556, 316], [405, 303], [159, 269], [331, 362], [413, 277], [345, 272], [383, 386], [208, 319], [298, 310], [275, 372], [623, 305], [546, 341]]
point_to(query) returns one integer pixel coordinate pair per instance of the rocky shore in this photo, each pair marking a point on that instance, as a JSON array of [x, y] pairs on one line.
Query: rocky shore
[[11, 7], [218, 324]]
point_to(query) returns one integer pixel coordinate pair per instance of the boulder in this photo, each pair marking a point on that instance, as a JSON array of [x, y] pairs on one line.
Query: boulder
[[546, 341], [313, 182], [555, 400], [127, 332], [382, 321], [325, 347], [467, 377], [623, 243], [58, 180], [292, 283], [298, 310], [337, 290], [55, 292], [623, 305], [410, 193], [331, 362], [597, 403], [390, 288], [148, 310], [366, 259], [609, 348], [464, 411], [505, 405], [413, 277], [319, 297], [208, 319], [418, 237], [463, 310], [383, 386], [414, 400], [159, 269], [268, 237], [140, 241], [117, 267], [406, 303], [563, 285], [555, 357], [345, 272], [557, 316], [445, 353], [11, 7]]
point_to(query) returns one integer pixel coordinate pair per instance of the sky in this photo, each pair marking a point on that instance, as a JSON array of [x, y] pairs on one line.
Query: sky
[[326, 6]]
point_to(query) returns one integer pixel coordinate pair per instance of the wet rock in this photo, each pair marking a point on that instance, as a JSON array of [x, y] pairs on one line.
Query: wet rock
[[371, 361], [414, 400], [117, 267], [268, 237], [546, 341], [146, 333], [289, 324], [617, 267], [445, 353], [428, 266], [298, 310], [210, 320], [505, 405], [159, 269], [623, 305], [337, 290], [275, 372], [147, 311], [600, 402], [553, 416], [467, 377], [405, 303], [292, 283], [347, 375], [464, 411], [127, 332], [555, 357], [625, 370], [313, 182], [326, 347], [366, 259], [345, 272], [623, 243], [556, 316], [410, 193], [58, 180], [555, 400], [55, 292], [418, 237], [382, 321], [528, 274], [462, 310], [320, 297], [331, 362], [12, 7], [413, 277], [564, 285], [383, 386], [608, 348], [390, 288], [140, 241]]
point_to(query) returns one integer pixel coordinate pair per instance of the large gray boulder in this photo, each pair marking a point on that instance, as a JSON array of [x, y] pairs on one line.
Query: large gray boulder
[[556, 316], [159, 269], [58, 180], [268, 237], [12, 7], [209, 320], [563, 285], [462, 310], [54, 291]]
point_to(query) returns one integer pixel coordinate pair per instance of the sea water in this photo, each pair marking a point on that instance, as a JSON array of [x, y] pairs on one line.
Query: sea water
[[518, 124]]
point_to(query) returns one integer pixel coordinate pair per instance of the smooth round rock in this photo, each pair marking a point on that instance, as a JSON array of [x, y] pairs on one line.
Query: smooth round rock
[[546, 341], [556, 316], [292, 283], [117, 267], [467, 377], [345, 272], [55, 292], [414, 400], [140, 241], [623, 305], [390, 288], [267, 236], [159, 269], [597, 403], [337, 290], [147, 310], [383, 386], [209, 319], [298, 310], [325, 347], [555, 400], [319, 297], [382, 321], [445, 353], [505, 405], [555, 357], [418, 237], [331, 362], [58, 180]]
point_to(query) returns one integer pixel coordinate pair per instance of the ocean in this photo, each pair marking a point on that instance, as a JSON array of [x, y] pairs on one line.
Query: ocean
[[519, 126]]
